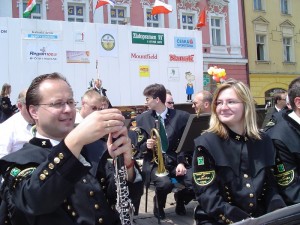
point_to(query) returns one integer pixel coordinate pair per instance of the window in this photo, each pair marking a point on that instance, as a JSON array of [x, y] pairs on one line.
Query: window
[[287, 49], [216, 31], [117, 15], [284, 7], [37, 13], [187, 21], [76, 12], [152, 20], [261, 47], [258, 5]]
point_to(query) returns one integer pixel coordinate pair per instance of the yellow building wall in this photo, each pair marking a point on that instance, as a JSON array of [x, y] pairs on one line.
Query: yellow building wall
[[273, 73], [260, 83]]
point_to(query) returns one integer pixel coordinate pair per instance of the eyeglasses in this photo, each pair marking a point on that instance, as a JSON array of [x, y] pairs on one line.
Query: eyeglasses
[[60, 105], [171, 103], [229, 103]]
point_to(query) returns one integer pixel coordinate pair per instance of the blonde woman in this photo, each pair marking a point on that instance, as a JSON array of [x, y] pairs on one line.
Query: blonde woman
[[232, 161]]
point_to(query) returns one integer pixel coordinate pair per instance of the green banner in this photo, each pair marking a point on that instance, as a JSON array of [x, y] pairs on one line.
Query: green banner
[[147, 38]]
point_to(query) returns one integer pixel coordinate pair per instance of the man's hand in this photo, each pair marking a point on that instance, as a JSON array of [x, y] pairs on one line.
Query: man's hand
[[150, 143], [93, 127], [180, 170]]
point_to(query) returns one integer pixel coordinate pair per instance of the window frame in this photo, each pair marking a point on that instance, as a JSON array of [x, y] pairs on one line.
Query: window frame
[[259, 5], [161, 17], [158, 22], [120, 21], [285, 8], [76, 17], [194, 19], [291, 50], [265, 47]]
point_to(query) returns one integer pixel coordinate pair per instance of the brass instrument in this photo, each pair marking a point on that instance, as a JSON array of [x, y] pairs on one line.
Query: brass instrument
[[158, 157]]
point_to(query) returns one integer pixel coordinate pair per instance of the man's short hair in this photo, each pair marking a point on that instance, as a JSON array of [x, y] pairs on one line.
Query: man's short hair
[[294, 91], [168, 92], [104, 99], [156, 90], [91, 93], [207, 96], [277, 95], [33, 97]]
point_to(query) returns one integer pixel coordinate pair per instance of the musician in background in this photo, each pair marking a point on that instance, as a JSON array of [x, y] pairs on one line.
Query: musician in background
[[90, 102], [98, 87], [202, 102], [62, 175], [233, 161], [169, 100], [173, 123], [286, 139], [105, 104]]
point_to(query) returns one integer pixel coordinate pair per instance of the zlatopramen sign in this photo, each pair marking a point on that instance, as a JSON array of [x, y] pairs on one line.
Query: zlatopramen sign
[[147, 38]]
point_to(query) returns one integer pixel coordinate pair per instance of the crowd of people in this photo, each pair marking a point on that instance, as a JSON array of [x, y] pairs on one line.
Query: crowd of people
[[54, 153]]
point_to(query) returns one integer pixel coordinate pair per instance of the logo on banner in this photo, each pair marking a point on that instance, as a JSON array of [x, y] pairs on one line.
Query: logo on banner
[[184, 42], [148, 56], [147, 38], [176, 58], [108, 42]]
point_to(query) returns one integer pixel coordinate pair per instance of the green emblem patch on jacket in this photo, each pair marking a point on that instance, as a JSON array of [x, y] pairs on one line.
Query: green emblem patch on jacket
[[204, 178]]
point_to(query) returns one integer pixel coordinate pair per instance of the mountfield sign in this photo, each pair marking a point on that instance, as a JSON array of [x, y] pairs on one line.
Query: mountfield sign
[[147, 38], [148, 56], [184, 42], [177, 58]]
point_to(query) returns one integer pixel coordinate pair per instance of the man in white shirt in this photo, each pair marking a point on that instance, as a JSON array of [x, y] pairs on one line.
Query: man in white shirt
[[15, 131], [90, 102]]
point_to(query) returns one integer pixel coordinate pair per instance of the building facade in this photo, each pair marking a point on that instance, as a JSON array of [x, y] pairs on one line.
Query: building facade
[[273, 43], [223, 35]]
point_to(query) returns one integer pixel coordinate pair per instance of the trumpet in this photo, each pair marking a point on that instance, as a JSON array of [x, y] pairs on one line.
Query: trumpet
[[157, 152]]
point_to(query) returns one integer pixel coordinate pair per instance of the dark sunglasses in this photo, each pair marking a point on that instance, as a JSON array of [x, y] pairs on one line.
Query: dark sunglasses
[[172, 103]]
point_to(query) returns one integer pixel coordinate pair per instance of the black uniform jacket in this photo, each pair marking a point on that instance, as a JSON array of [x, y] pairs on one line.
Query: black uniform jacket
[[49, 185], [175, 123], [286, 138], [233, 178]]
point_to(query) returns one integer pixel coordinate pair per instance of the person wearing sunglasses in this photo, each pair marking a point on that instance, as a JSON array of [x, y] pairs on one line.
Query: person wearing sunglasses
[[233, 161], [169, 100], [90, 102]]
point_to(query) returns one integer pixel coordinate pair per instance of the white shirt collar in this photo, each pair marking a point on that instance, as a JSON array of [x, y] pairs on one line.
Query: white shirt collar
[[294, 116], [163, 114], [53, 142]]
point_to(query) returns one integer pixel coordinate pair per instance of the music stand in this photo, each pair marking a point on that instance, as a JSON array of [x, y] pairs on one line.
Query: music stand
[[194, 127]]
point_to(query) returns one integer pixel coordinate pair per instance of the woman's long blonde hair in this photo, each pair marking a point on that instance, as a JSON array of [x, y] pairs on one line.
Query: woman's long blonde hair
[[6, 89], [244, 95]]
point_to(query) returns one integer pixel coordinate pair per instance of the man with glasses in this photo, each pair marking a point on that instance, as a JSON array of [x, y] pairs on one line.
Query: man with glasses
[[202, 102], [90, 102], [171, 123], [169, 100], [62, 176]]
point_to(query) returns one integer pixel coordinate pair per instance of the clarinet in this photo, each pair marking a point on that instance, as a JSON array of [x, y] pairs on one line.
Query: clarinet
[[124, 205]]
